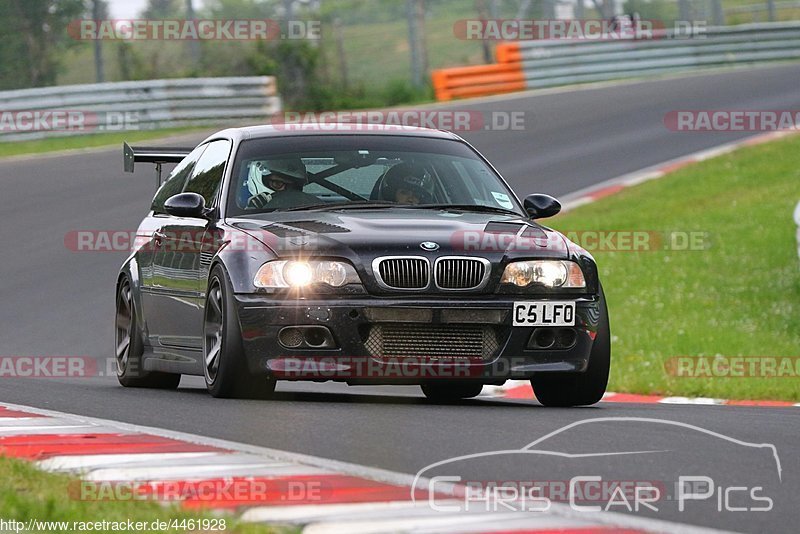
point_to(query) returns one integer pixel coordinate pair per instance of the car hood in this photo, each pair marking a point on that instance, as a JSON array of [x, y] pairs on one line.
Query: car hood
[[366, 234]]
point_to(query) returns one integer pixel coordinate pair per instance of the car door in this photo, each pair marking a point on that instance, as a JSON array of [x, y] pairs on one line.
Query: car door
[[152, 253], [186, 244]]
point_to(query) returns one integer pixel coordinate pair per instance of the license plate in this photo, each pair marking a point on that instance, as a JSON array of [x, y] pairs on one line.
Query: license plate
[[549, 313]]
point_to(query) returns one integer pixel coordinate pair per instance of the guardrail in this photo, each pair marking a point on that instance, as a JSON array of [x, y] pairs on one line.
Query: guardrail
[[547, 63], [121, 106]]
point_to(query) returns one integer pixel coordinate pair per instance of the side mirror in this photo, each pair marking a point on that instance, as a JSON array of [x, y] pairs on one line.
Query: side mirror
[[185, 205], [540, 206]]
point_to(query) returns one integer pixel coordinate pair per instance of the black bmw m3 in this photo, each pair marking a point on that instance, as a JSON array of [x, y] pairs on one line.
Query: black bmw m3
[[379, 255]]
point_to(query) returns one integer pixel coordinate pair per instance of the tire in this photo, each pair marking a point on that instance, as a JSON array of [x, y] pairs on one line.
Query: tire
[[224, 366], [451, 391], [130, 346], [580, 389]]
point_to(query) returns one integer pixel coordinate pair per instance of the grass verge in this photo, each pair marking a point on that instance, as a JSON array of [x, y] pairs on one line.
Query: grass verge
[[738, 295], [26, 493], [38, 146]]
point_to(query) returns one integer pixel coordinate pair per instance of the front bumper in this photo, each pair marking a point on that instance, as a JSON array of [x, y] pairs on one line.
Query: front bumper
[[353, 359]]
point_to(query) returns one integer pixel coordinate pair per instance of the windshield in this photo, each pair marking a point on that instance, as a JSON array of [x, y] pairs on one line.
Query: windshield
[[358, 172]]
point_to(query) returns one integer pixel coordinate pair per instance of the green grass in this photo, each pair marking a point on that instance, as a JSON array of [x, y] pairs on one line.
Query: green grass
[[28, 493], [37, 146], [740, 297]]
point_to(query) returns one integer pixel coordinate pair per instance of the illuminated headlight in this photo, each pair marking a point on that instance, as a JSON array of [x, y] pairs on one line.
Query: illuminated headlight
[[294, 273], [549, 273]]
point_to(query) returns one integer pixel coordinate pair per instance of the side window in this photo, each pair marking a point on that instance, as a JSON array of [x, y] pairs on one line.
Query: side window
[[208, 170], [174, 183]]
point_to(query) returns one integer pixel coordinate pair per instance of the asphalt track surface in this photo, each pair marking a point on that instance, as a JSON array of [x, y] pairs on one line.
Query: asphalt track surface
[[59, 302]]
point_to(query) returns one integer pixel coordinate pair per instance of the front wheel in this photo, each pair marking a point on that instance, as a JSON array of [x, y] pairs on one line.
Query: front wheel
[[451, 391], [224, 366], [580, 389], [130, 346]]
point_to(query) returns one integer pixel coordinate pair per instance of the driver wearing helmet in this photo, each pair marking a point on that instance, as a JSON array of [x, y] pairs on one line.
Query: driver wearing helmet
[[404, 185], [285, 177]]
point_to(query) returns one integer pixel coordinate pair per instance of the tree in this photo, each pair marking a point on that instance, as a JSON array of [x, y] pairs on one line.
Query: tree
[[164, 9], [34, 39]]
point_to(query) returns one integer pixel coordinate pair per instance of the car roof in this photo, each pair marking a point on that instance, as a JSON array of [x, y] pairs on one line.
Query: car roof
[[292, 130]]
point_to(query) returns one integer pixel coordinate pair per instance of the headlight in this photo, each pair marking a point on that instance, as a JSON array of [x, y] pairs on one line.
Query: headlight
[[295, 273], [549, 273]]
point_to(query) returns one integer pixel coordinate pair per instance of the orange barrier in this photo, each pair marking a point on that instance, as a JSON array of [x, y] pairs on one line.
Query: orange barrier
[[505, 76], [508, 53]]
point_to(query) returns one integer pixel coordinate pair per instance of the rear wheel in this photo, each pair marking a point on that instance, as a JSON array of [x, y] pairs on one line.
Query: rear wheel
[[580, 389], [225, 368], [130, 346], [451, 391]]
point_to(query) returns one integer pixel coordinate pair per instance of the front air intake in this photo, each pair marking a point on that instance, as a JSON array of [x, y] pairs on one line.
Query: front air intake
[[403, 272], [436, 342], [458, 273]]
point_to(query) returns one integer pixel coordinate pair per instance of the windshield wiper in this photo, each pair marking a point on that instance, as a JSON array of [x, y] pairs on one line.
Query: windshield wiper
[[468, 207], [355, 204]]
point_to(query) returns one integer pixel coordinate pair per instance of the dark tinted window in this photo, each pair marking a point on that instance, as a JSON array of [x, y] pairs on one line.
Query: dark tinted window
[[174, 183], [207, 175]]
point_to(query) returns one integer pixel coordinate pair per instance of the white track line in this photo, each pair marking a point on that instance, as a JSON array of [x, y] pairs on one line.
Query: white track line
[[483, 522], [94, 461], [265, 468], [329, 512]]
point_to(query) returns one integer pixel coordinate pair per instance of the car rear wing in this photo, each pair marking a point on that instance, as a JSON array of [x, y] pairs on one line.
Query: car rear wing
[[157, 155]]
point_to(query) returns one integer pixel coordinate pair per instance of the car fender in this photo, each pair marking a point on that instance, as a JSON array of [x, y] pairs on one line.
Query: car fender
[[241, 255]]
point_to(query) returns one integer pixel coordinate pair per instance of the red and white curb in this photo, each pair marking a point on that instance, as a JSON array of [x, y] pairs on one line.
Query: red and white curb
[[521, 389], [615, 185], [352, 498]]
